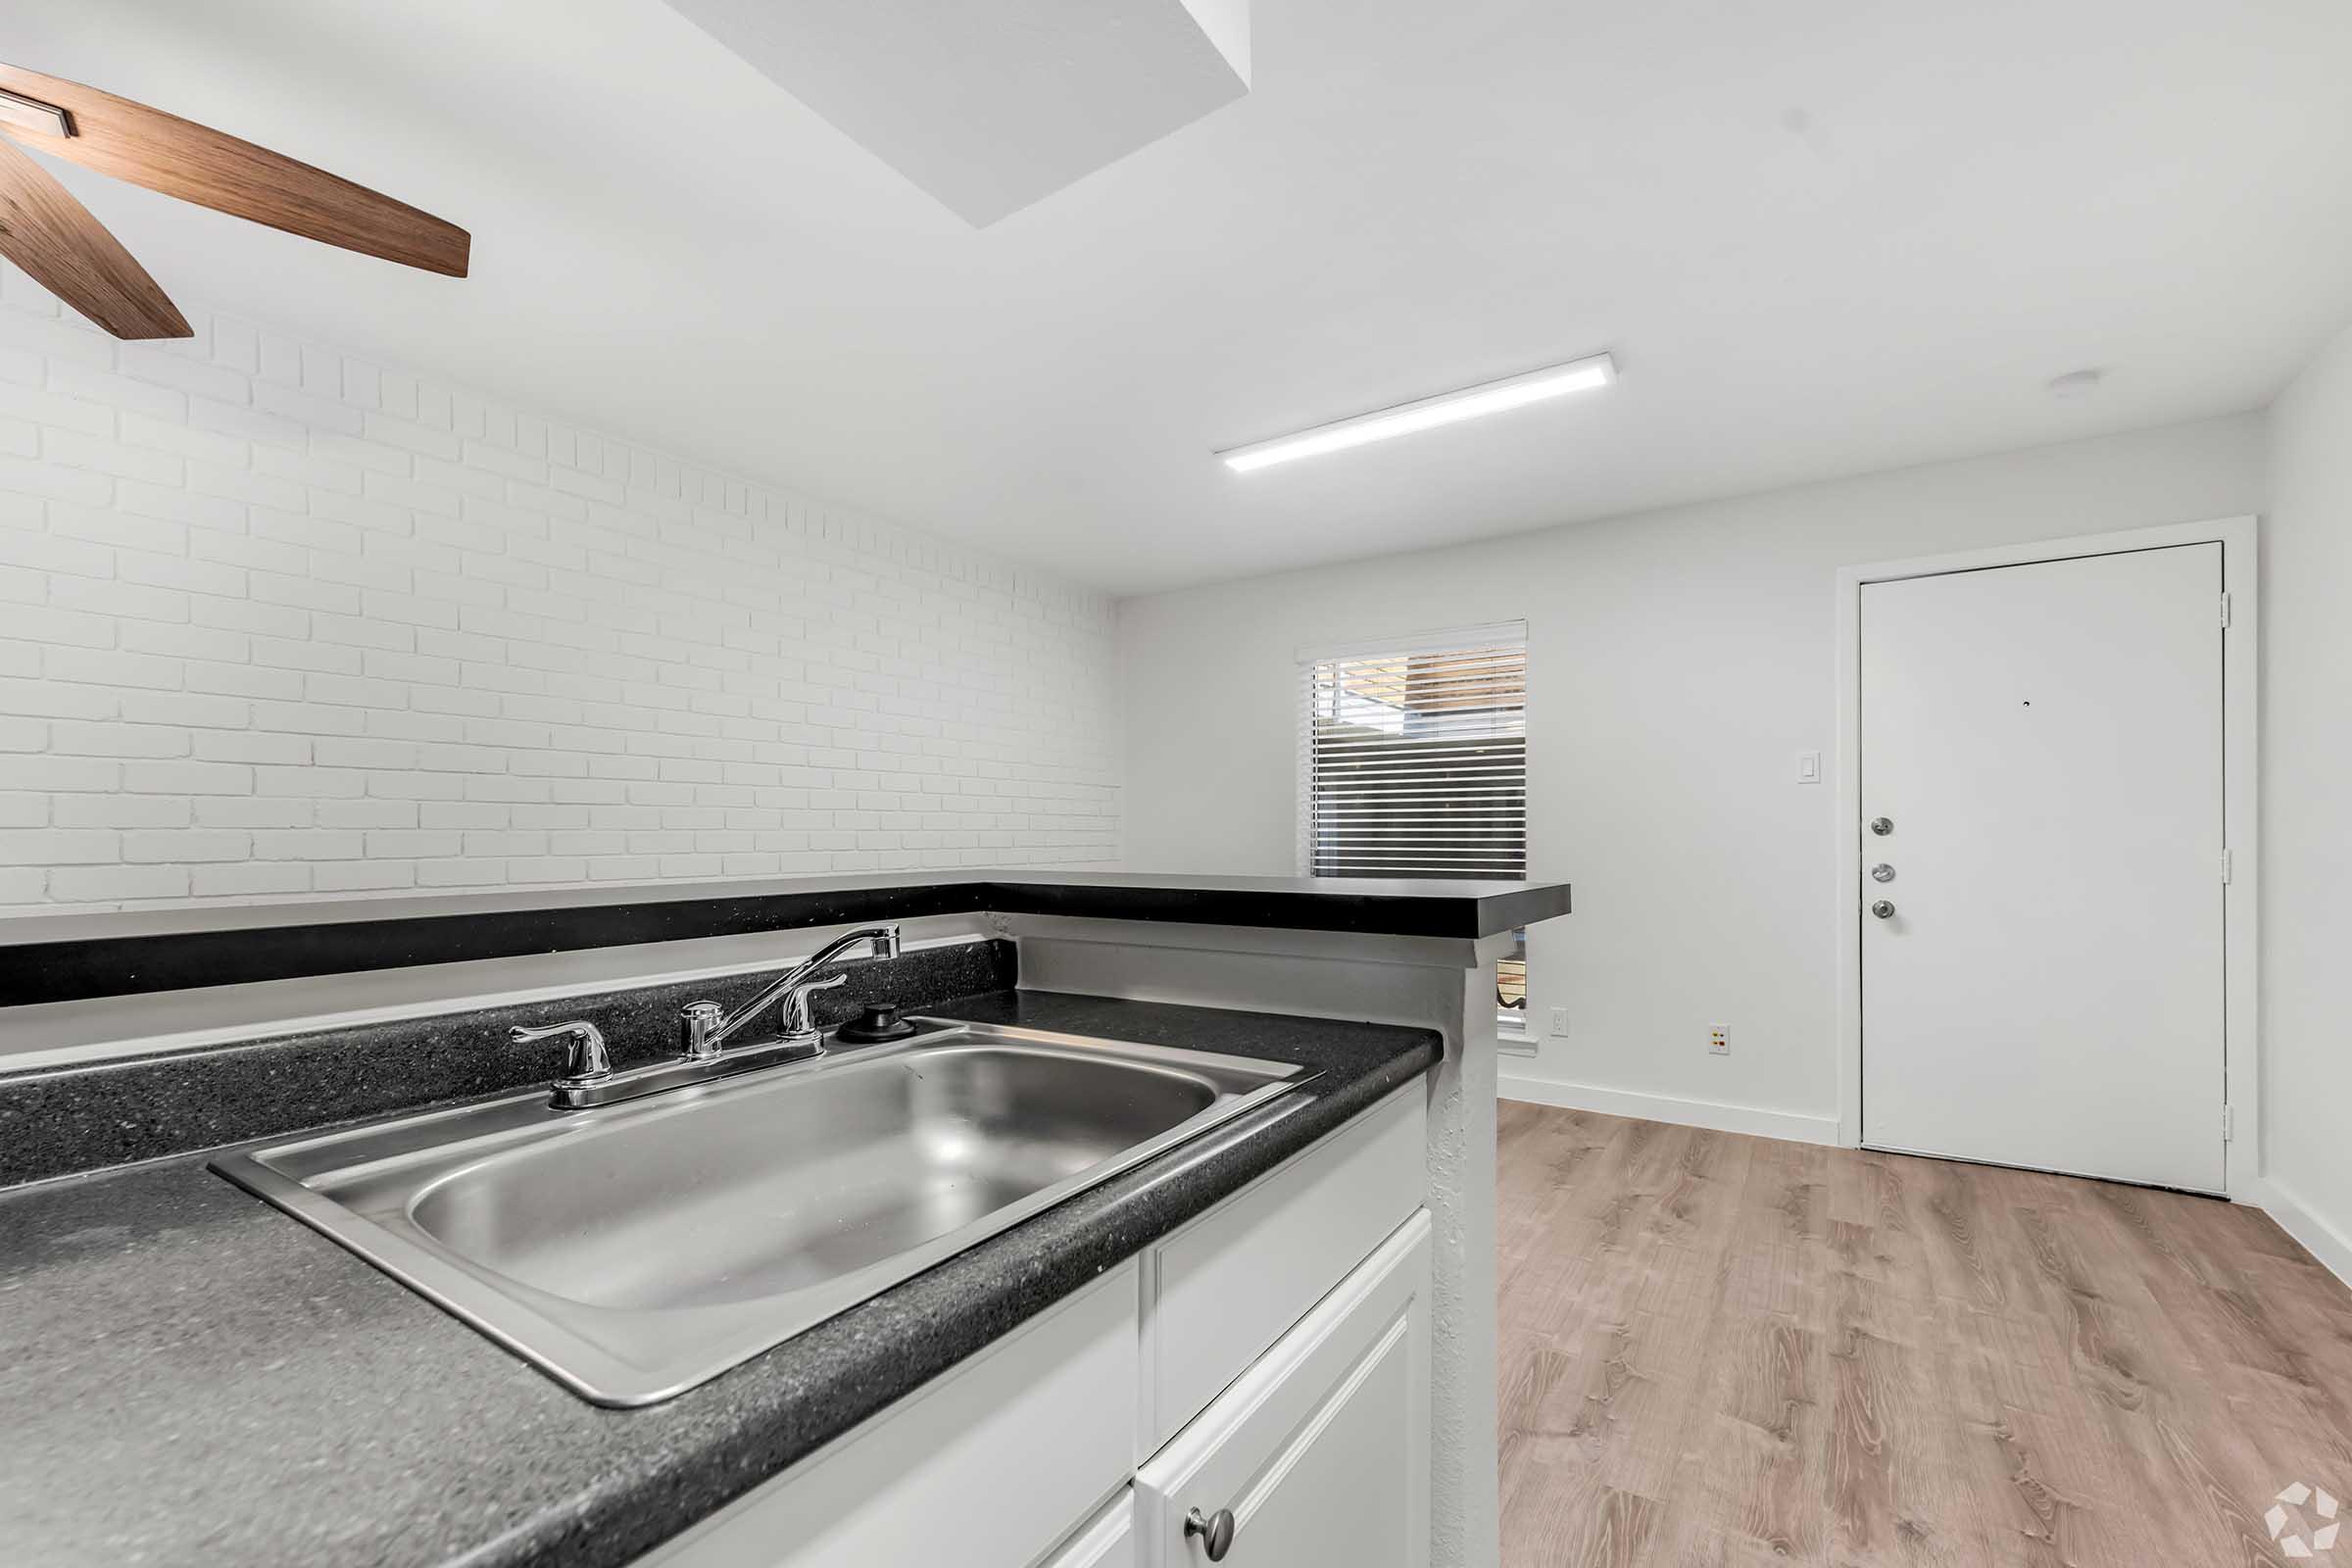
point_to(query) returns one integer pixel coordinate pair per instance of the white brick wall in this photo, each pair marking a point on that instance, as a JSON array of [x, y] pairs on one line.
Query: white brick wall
[[276, 621]]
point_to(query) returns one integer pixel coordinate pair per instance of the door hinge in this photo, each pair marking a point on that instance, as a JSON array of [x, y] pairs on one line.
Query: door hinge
[[2225, 611], [2226, 1126], [2228, 866]]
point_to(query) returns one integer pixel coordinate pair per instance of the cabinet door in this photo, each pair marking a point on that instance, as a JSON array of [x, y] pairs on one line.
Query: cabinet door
[[1321, 1450], [1221, 1289], [1107, 1541], [988, 1466]]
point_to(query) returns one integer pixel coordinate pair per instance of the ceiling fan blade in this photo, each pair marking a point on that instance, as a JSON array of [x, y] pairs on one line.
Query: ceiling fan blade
[[47, 232], [198, 163]]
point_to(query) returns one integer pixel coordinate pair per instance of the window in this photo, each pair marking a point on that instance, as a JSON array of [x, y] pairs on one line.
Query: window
[[1413, 764]]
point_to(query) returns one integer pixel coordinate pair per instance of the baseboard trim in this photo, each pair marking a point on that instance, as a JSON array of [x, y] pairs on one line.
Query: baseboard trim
[[2316, 1235], [1711, 1114]]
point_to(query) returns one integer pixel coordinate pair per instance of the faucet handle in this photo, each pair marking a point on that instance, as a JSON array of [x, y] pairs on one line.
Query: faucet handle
[[699, 1022], [796, 1021], [585, 1061]]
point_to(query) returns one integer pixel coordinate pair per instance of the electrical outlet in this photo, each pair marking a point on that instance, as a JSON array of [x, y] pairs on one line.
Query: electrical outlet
[[1559, 1020], [1719, 1041]]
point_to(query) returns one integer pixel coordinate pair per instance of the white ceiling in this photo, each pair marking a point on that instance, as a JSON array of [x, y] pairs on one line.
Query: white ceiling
[[1821, 236]]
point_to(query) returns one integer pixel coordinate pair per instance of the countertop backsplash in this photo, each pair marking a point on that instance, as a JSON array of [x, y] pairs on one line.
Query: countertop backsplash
[[62, 1120]]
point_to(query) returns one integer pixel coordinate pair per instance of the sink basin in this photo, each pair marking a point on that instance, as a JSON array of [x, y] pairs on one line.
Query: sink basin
[[758, 1196], [639, 1249]]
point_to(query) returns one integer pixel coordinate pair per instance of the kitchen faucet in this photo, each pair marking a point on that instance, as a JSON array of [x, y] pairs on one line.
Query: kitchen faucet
[[590, 1080], [705, 1026]]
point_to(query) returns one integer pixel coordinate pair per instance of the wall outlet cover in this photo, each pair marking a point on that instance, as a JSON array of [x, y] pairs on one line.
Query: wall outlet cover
[[1559, 1020], [1719, 1041]]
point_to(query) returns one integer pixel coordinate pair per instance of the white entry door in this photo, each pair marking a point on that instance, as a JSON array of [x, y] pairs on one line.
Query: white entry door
[[2041, 965]]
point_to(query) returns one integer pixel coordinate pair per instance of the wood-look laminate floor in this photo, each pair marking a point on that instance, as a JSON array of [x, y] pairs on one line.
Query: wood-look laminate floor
[[1722, 1352]]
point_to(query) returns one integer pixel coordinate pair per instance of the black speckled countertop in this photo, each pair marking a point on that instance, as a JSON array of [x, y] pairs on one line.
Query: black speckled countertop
[[190, 1376], [58, 957]]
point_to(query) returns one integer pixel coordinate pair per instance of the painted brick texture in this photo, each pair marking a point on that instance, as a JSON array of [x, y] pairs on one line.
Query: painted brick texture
[[276, 621]]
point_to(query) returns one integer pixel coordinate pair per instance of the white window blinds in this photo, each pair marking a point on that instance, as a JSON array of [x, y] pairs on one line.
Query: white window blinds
[[1413, 760]]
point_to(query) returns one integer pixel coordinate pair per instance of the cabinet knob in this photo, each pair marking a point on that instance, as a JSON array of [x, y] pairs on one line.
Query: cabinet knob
[[1215, 1531]]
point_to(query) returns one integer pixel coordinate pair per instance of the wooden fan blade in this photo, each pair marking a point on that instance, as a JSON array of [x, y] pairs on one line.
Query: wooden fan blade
[[197, 164], [47, 232]]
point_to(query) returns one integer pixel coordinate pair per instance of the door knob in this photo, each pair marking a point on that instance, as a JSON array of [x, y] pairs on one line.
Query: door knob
[[1882, 873], [1881, 826], [1215, 1531], [1884, 909]]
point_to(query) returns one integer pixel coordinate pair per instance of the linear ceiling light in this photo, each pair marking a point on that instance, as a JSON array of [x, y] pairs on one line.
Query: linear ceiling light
[[1446, 408]]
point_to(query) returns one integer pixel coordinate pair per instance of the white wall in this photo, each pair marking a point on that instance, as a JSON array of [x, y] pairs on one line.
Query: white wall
[[2307, 807], [1679, 661], [276, 621]]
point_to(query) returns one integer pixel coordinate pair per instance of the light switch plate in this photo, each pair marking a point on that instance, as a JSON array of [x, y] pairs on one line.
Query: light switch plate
[[1808, 767]]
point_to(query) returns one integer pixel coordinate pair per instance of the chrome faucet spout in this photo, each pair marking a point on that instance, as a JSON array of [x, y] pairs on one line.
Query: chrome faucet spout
[[705, 1026]]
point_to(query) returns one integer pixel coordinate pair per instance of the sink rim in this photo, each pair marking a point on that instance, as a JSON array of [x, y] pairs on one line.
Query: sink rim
[[627, 1357]]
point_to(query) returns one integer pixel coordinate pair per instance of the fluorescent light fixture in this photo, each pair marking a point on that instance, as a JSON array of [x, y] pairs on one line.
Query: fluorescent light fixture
[[1446, 408]]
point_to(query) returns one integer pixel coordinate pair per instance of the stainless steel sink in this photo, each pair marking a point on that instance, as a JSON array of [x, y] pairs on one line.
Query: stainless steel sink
[[640, 1249]]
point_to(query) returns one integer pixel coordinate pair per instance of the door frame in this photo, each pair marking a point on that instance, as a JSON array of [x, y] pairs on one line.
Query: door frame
[[2238, 538]]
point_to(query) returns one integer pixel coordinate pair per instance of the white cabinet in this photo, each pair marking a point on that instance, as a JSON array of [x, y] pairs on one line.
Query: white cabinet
[[989, 1464], [1320, 1450], [1230, 1282], [1107, 1541], [1269, 1357]]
